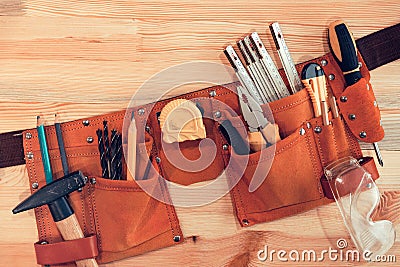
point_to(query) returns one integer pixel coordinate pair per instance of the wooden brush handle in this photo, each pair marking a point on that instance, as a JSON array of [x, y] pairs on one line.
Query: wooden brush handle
[[70, 230]]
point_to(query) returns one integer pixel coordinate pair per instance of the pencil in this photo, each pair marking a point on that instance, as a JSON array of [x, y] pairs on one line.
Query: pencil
[[61, 146], [131, 159], [44, 150]]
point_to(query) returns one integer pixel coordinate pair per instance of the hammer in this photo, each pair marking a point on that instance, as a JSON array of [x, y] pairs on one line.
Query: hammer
[[54, 194]]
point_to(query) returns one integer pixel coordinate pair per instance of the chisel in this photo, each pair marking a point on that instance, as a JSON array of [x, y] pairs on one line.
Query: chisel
[[344, 50]]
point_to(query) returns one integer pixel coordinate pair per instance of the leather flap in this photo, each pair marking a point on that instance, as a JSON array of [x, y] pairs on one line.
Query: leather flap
[[66, 251], [359, 109]]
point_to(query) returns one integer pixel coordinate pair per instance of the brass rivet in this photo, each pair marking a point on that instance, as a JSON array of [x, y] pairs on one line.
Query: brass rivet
[[343, 99], [28, 135], [141, 111], [331, 77], [35, 185], [225, 147], [89, 139], [352, 117], [318, 129], [324, 62], [217, 114], [363, 134], [177, 238], [213, 93], [29, 155], [302, 131], [85, 122]]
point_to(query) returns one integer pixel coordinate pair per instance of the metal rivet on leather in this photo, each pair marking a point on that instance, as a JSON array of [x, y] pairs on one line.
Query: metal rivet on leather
[[35, 185], [363, 134], [359, 64], [158, 159], [343, 98], [331, 77], [147, 128], [245, 222], [217, 114], [141, 111], [177, 238], [93, 180], [89, 139], [318, 129], [28, 135], [44, 243], [29, 155], [225, 147], [352, 117], [86, 122], [308, 125], [213, 93], [324, 62], [302, 131]]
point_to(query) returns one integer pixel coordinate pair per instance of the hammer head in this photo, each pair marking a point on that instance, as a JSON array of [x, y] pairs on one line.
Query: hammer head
[[53, 191]]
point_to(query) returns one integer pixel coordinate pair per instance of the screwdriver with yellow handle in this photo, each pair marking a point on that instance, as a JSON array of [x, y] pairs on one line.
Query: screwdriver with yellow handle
[[344, 50]]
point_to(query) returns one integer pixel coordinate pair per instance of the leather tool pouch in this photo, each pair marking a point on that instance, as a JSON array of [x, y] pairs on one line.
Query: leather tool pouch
[[126, 221]]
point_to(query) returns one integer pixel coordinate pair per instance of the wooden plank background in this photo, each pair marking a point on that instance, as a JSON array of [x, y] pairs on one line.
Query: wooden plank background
[[82, 58]]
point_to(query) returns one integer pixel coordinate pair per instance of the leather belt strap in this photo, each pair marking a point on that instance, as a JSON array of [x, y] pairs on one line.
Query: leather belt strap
[[11, 149], [367, 163], [377, 49], [66, 251], [381, 47]]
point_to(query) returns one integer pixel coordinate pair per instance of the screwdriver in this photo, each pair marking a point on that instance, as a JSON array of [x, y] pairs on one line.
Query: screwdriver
[[344, 50]]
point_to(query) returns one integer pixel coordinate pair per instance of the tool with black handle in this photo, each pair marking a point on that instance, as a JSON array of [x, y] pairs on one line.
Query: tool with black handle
[[54, 195], [344, 50]]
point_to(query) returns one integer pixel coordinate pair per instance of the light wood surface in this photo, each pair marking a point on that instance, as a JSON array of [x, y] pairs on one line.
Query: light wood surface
[[83, 58]]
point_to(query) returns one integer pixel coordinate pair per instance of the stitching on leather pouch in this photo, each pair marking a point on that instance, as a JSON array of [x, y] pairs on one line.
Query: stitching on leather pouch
[[167, 208], [281, 150], [97, 220], [40, 212], [320, 149], [351, 142], [90, 207], [286, 107], [334, 142], [314, 163], [83, 213], [94, 122]]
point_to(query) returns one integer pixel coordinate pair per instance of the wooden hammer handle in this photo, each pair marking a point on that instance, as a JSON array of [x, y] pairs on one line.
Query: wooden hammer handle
[[70, 230]]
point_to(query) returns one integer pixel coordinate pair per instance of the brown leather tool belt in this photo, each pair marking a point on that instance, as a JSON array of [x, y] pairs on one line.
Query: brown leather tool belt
[[294, 183]]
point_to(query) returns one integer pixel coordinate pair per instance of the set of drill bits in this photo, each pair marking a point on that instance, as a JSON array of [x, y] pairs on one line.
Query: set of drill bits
[[260, 76], [110, 148]]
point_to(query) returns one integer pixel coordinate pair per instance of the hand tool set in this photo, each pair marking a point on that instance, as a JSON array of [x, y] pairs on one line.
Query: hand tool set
[[299, 133]]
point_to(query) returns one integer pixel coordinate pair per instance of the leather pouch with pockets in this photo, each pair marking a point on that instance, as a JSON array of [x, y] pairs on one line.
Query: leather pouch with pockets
[[126, 221]]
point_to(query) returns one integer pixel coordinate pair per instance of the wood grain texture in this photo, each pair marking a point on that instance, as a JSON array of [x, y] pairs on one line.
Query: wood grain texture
[[83, 58]]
